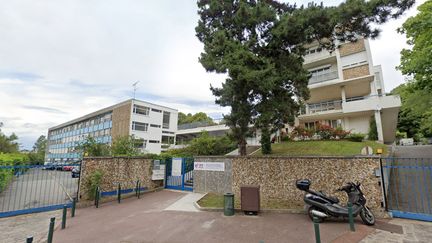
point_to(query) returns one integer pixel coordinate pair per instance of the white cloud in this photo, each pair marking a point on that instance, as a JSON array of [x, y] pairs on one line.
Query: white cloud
[[79, 56]]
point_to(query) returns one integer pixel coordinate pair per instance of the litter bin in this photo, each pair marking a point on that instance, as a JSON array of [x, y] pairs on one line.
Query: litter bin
[[229, 204]]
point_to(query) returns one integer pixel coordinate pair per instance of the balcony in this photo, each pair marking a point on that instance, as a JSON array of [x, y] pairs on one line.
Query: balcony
[[323, 77], [319, 55], [322, 107]]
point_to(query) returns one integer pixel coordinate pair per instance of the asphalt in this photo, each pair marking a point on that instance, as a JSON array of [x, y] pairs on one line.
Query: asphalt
[[147, 220], [415, 151], [37, 188]]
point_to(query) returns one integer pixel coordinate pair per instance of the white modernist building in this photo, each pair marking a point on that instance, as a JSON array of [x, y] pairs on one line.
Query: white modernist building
[[347, 90], [153, 125]]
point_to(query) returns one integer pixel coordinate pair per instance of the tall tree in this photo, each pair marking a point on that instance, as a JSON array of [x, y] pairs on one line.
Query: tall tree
[[197, 117], [8, 144], [259, 44], [417, 61], [38, 153]]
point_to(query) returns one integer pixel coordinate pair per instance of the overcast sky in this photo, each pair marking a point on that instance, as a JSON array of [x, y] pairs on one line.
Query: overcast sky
[[63, 59]]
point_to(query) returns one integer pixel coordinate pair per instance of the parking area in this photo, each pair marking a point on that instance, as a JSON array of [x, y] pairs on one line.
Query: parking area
[[146, 220]]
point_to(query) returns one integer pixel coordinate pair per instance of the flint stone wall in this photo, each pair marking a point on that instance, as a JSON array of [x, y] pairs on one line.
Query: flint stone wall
[[124, 170], [218, 182], [276, 177]]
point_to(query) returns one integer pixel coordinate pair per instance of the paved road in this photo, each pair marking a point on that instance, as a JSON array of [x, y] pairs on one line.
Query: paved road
[[145, 220], [38, 188], [410, 185], [416, 151]]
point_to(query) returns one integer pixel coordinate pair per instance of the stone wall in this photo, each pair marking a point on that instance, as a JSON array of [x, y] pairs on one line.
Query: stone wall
[[356, 72], [351, 48], [276, 177], [116, 170], [213, 181]]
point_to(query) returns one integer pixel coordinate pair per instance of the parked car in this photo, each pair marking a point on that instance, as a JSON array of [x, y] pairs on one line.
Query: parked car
[[68, 168], [76, 172], [49, 166]]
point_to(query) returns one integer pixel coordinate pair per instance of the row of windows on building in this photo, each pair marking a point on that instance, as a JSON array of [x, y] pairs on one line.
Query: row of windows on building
[[100, 119], [52, 148], [82, 131], [331, 123], [81, 137], [143, 110]]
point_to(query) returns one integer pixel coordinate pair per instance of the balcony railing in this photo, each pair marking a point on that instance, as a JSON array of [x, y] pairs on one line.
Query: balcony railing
[[322, 106], [323, 77]]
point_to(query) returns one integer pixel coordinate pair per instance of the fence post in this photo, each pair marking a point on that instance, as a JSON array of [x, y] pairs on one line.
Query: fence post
[[317, 231], [51, 230], [73, 207], [64, 217], [136, 188], [97, 197], [139, 190], [119, 193], [350, 216], [383, 185]]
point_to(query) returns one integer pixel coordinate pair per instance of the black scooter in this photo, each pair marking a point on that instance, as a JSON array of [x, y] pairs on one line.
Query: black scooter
[[323, 206]]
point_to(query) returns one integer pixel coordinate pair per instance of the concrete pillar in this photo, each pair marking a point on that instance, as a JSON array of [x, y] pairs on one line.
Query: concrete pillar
[[373, 88], [379, 125], [343, 94]]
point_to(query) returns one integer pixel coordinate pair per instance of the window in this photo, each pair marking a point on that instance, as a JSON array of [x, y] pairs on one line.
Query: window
[[142, 110], [320, 71], [167, 132], [167, 140], [140, 143], [166, 119], [154, 125], [154, 141], [156, 110], [139, 126]]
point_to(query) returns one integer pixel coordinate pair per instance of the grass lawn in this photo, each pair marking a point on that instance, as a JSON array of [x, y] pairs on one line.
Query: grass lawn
[[212, 200], [328, 148]]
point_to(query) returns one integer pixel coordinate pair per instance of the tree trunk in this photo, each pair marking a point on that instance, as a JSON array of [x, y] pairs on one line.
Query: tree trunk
[[242, 147], [265, 141]]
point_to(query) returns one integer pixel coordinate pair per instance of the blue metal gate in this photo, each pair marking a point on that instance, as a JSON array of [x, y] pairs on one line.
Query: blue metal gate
[[408, 187], [179, 174], [36, 188]]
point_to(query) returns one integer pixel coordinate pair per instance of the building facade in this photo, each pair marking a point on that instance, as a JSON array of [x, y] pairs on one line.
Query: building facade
[[347, 90], [153, 126]]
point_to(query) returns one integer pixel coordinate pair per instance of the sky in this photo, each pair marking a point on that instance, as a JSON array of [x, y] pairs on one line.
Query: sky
[[61, 59]]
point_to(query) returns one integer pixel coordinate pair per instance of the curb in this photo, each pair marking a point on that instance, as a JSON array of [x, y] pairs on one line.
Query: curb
[[279, 211]]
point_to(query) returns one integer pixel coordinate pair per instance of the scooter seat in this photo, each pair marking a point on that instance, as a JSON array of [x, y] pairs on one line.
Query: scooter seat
[[330, 198]]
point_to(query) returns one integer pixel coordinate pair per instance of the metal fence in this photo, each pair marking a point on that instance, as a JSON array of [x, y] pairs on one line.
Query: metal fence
[[36, 188], [408, 187]]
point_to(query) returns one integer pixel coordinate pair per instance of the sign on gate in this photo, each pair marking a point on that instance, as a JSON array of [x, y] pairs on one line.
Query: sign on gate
[[209, 166], [176, 167]]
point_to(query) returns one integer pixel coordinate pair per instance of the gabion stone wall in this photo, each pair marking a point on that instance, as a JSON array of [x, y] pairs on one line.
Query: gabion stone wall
[[277, 176], [124, 170]]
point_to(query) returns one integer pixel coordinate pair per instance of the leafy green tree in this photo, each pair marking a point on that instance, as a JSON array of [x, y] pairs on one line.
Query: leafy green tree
[[417, 61], [8, 144], [37, 155], [126, 146], [90, 147], [373, 131], [415, 115], [197, 117], [260, 45]]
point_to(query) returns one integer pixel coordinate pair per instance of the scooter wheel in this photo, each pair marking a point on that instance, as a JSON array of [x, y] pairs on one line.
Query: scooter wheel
[[367, 216], [320, 220]]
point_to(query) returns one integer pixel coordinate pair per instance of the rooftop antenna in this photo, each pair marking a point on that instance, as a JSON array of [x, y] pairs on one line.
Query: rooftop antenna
[[135, 87]]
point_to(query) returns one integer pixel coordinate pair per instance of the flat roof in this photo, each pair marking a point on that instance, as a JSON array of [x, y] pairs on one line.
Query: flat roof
[[102, 111]]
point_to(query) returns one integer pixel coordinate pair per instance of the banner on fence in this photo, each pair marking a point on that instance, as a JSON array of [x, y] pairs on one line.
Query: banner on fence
[[209, 166]]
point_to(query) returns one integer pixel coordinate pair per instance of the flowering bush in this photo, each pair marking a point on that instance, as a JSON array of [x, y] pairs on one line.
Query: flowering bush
[[322, 131]]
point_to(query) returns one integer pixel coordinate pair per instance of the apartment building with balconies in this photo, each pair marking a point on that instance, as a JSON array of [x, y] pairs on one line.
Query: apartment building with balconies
[[347, 90], [154, 127]]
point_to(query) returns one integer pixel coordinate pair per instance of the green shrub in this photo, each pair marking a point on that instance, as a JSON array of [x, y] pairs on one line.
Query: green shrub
[[93, 182], [373, 132], [356, 137]]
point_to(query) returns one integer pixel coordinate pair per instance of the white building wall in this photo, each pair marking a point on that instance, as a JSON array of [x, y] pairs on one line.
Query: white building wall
[[359, 124], [154, 118]]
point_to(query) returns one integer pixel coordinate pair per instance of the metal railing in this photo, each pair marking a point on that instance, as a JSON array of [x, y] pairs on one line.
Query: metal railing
[[322, 106], [36, 188], [323, 77]]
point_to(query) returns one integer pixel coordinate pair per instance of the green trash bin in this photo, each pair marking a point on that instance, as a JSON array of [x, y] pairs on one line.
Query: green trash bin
[[229, 204]]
